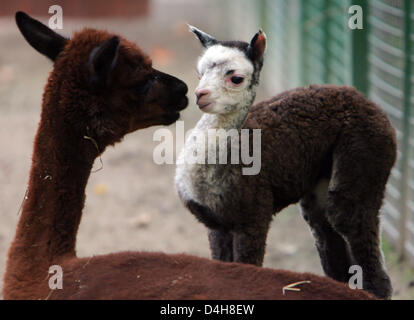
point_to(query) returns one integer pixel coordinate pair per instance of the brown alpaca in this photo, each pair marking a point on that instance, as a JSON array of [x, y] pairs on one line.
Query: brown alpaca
[[101, 88]]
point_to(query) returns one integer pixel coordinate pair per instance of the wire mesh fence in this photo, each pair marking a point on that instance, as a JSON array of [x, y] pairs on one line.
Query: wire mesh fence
[[309, 41]]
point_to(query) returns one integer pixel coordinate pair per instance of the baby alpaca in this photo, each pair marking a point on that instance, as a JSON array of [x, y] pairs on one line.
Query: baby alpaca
[[324, 146]]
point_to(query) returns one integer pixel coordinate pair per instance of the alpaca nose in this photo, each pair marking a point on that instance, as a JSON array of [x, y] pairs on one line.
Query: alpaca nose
[[201, 93]]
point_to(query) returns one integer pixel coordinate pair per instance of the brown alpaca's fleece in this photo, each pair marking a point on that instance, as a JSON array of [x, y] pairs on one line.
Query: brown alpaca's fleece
[[75, 116], [132, 275]]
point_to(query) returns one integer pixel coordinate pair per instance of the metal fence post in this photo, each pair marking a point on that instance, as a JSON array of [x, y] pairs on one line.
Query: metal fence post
[[302, 76], [326, 39], [359, 45], [405, 170]]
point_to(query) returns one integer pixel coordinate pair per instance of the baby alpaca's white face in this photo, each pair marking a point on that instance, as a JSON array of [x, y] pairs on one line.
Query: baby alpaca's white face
[[229, 72], [225, 76]]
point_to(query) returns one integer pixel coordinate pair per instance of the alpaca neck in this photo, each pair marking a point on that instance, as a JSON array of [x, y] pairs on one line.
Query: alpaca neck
[[53, 205]]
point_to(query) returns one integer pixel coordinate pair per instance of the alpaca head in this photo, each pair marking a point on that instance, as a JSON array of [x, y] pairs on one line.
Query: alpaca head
[[229, 72], [101, 84]]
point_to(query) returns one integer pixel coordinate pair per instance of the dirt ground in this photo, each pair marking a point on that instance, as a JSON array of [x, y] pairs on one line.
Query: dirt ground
[[131, 204]]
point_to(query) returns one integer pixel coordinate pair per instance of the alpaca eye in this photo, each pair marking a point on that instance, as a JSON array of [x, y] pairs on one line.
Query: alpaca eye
[[236, 79], [143, 88]]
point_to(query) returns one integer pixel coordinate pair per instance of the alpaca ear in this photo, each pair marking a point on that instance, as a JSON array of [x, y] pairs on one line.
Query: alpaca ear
[[40, 37], [102, 61], [205, 39], [257, 46]]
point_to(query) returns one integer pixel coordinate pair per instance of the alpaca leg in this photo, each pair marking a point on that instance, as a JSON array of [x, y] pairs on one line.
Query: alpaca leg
[[353, 203], [221, 245], [249, 246], [359, 225], [332, 248]]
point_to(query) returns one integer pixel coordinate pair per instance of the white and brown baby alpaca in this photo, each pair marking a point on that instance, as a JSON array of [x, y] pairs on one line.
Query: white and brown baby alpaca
[[327, 147]]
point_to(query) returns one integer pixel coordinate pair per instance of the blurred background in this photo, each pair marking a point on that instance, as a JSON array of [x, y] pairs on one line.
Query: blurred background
[[132, 204]]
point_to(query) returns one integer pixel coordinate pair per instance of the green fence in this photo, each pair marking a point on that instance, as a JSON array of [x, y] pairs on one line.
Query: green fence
[[326, 42], [309, 41], [389, 57]]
